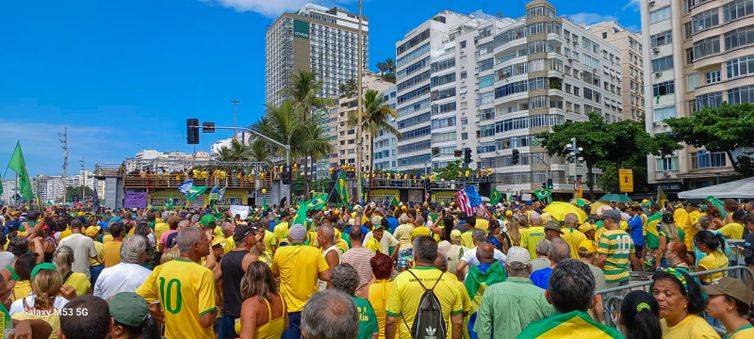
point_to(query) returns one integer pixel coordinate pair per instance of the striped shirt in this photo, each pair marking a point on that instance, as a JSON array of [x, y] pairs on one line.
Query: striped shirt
[[618, 247], [360, 259]]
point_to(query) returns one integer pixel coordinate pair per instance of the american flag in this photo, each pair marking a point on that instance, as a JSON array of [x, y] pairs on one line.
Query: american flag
[[463, 203], [474, 198]]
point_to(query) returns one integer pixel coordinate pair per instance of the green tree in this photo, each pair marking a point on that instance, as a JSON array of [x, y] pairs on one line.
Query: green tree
[[73, 193], [236, 152], [261, 151], [312, 141], [450, 171], [348, 88], [723, 129], [304, 93], [376, 116]]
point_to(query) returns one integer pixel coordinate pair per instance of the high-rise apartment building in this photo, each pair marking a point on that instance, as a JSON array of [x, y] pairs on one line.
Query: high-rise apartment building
[[343, 136], [491, 84], [315, 38], [698, 53], [632, 65]]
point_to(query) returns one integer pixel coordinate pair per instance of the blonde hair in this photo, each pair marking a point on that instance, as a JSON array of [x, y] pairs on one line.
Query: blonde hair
[[670, 230], [170, 255], [514, 232], [46, 286], [63, 259]]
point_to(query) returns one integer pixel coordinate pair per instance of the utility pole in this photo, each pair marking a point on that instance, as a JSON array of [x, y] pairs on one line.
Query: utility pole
[[63, 137], [235, 102], [359, 105], [83, 185]]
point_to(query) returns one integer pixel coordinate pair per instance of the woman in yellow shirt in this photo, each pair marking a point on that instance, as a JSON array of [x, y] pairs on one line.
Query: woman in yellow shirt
[[78, 281], [263, 313], [681, 303], [379, 290], [730, 302], [712, 245]]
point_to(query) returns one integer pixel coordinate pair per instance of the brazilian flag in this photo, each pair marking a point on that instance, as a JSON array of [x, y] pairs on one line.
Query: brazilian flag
[[480, 278], [543, 195], [495, 197], [651, 232], [315, 204], [563, 325], [342, 188]]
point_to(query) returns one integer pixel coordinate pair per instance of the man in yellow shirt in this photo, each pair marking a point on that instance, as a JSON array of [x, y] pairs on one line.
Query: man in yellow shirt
[[690, 227], [111, 249], [409, 286], [571, 234], [734, 230], [298, 266], [163, 224], [281, 229], [184, 289], [532, 235]]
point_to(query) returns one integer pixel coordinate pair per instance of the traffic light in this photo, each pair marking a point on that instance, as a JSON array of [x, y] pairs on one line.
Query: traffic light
[[573, 153], [192, 131], [285, 176], [515, 157], [467, 155], [549, 184]]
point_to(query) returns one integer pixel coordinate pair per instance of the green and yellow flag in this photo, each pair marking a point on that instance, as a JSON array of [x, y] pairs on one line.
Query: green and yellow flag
[[481, 277], [194, 192], [342, 188], [18, 165], [495, 197], [567, 325], [316, 203], [661, 198], [651, 232]]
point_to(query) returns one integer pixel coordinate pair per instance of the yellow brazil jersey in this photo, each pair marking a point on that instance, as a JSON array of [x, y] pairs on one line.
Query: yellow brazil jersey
[[693, 326], [299, 267], [733, 231], [421, 230], [379, 292], [466, 240], [98, 247], [107, 238], [186, 290], [160, 228], [618, 247], [21, 289], [530, 237], [64, 234], [712, 261], [270, 241], [79, 282], [690, 229], [744, 332], [574, 324], [281, 231], [230, 244], [482, 223], [573, 237], [111, 253], [407, 292]]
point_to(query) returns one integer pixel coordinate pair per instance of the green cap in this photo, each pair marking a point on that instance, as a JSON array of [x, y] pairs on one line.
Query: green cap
[[207, 219], [42, 266], [129, 309]]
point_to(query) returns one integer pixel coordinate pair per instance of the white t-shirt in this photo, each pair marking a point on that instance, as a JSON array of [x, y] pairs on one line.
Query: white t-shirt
[[18, 305], [470, 257], [83, 249], [122, 277]]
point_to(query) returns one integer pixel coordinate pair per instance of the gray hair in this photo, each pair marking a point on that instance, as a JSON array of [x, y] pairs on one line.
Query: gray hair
[[571, 219], [194, 218], [187, 238], [478, 235], [404, 218], [132, 249], [327, 231], [559, 250], [330, 314], [543, 247], [166, 215], [183, 224], [425, 248], [571, 286], [345, 278], [63, 259], [535, 218], [226, 226]]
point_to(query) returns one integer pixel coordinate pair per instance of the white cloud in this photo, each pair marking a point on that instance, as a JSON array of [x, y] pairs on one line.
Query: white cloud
[[588, 19], [270, 8], [634, 5]]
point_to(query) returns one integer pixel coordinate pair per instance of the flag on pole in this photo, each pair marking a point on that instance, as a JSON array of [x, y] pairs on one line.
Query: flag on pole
[[496, 196], [342, 188], [474, 198], [316, 203], [194, 192], [186, 186], [661, 197], [214, 194], [168, 204], [462, 200], [95, 200], [18, 165], [657, 98]]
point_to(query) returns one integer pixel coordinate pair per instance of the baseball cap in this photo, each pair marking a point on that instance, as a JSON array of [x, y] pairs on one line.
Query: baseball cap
[[587, 246], [128, 308], [586, 227], [42, 266], [455, 234], [731, 287], [611, 214], [92, 230], [518, 254], [242, 231], [297, 232], [206, 219], [667, 218], [218, 241], [553, 225], [508, 213]]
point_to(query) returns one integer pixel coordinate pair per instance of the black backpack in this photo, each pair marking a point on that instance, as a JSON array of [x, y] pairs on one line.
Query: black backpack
[[428, 323]]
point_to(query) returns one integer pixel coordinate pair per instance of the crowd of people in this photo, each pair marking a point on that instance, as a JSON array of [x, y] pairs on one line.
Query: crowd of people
[[427, 270]]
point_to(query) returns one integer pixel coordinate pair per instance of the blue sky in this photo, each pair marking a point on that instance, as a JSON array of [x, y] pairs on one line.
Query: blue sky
[[124, 75]]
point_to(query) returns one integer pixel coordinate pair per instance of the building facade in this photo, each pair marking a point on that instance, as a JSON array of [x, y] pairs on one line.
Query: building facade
[[386, 143], [631, 59], [343, 136], [491, 84], [315, 38], [699, 53]]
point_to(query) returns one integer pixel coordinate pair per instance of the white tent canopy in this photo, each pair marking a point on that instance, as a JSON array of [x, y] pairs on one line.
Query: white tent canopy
[[739, 189]]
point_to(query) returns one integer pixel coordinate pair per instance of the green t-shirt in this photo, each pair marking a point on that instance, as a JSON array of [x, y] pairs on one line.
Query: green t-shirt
[[367, 318], [7, 326]]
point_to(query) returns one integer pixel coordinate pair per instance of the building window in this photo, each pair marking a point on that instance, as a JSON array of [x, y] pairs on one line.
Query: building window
[[741, 95], [712, 100], [737, 9], [712, 77], [659, 15], [705, 159], [739, 37], [486, 81], [663, 88], [707, 47], [740, 66], [666, 164], [705, 20], [692, 81], [661, 39], [662, 64]]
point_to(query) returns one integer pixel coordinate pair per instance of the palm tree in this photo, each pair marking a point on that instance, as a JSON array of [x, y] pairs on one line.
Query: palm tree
[[311, 141], [304, 93], [382, 67], [236, 152], [376, 116], [260, 151], [390, 65], [348, 88]]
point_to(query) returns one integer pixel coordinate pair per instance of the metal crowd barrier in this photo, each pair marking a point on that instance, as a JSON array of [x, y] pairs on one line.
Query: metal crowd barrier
[[613, 297]]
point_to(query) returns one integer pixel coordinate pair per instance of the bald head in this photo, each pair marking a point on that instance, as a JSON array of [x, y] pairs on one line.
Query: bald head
[[441, 262], [571, 219], [485, 252], [559, 251]]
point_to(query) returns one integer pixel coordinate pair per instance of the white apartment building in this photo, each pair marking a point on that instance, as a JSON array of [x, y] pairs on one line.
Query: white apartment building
[[699, 53], [632, 65], [314, 38], [493, 83], [385, 143]]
